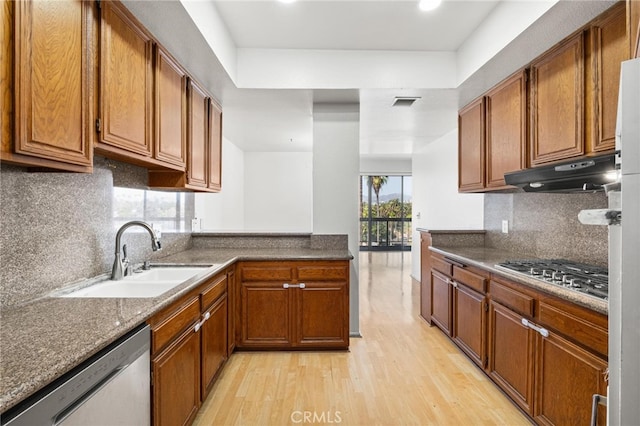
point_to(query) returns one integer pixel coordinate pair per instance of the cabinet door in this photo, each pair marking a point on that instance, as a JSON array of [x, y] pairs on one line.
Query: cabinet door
[[176, 381], [506, 129], [511, 355], [214, 343], [197, 137], [557, 99], [567, 376], [469, 322], [170, 111], [322, 311], [609, 48], [6, 79], [52, 81], [441, 295], [471, 142], [266, 315], [425, 277], [215, 147], [126, 82], [231, 312]]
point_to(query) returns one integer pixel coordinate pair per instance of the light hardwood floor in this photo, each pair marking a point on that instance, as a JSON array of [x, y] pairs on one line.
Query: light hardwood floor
[[400, 372]]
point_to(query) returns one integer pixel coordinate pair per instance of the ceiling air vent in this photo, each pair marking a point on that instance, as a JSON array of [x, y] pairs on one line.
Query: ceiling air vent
[[405, 101]]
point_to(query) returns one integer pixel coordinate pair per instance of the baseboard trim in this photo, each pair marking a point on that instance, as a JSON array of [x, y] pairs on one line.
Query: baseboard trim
[[355, 334]]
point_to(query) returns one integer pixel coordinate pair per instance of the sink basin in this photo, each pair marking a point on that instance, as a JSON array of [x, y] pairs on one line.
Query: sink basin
[[146, 284], [163, 273]]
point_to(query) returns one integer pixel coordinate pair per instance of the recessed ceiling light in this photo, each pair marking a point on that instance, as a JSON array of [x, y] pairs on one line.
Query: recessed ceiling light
[[427, 5]]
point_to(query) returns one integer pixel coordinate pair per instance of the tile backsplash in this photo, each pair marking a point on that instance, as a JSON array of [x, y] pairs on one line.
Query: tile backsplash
[[58, 228], [546, 225]]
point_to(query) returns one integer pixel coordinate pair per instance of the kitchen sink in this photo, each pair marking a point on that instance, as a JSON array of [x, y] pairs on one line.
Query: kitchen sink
[[165, 273], [146, 284]]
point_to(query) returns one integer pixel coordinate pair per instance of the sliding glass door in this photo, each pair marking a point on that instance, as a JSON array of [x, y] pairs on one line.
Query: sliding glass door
[[385, 213]]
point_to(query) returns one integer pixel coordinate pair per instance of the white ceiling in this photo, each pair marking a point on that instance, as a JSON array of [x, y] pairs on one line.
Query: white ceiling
[[282, 120], [485, 41], [352, 25]]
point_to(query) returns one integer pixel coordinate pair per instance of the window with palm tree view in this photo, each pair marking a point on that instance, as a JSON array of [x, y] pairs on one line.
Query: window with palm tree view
[[385, 213]]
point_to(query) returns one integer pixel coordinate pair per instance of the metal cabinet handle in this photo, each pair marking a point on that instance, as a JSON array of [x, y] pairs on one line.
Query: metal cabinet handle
[[454, 283], [543, 331], [196, 327], [287, 285]]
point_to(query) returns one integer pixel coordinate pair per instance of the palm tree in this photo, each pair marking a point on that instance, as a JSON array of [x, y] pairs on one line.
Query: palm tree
[[377, 182]]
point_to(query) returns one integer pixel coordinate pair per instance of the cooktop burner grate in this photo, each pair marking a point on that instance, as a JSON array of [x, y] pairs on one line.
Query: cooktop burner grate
[[588, 279]]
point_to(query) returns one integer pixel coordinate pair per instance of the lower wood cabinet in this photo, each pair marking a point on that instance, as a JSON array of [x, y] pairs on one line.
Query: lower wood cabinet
[[441, 296], [550, 375], [547, 354], [567, 377], [266, 311], [511, 355], [214, 335], [188, 349], [469, 322], [296, 304], [176, 384]]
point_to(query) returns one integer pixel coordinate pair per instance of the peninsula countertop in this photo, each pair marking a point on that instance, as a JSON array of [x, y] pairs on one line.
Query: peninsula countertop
[[48, 336]]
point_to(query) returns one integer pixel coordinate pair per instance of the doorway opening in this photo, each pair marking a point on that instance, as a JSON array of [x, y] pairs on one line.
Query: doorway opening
[[385, 213]]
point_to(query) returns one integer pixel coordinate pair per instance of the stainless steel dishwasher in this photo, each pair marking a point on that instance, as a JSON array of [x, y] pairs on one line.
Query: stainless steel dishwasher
[[111, 388]]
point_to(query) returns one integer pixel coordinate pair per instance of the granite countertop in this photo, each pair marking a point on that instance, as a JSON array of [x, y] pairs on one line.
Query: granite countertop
[[48, 336], [486, 258]]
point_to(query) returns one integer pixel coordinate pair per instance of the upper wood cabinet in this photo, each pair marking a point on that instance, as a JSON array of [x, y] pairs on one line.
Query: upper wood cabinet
[[204, 142], [608, 48], [492, 136], [557, 103], [471, 147], [215, 147], [198, 137], [506, 126], [126, 86], [6, 79], [633, 24], [170, 110], [49, 123]]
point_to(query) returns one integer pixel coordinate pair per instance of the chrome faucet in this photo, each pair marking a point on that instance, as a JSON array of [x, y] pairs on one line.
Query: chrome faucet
[[117, 272]]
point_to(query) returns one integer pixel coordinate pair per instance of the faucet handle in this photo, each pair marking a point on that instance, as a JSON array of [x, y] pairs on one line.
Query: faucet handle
[[124, 252]]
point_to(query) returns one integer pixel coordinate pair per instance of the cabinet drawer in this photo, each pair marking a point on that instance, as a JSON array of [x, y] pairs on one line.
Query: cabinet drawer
[[323, 272], [174, 324], [441, 266], [214, 290], [519, 302], [471, 280], [579, 329], [266, 273]]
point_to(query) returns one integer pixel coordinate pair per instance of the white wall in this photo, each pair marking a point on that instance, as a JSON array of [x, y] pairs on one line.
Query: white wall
[[370, 165], [278, 192], [336, 164], [224, 211], [435, 194]]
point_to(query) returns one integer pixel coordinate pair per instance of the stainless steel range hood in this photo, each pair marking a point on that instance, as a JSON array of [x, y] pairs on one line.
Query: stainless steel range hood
[[583, 175]]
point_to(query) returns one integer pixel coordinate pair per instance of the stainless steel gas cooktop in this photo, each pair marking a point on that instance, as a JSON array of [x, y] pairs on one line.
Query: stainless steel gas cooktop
[[587, 279]]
